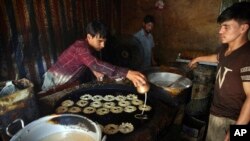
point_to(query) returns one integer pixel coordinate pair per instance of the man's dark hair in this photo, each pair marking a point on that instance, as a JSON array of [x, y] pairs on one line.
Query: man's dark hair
[[148, 19], [96, 27], [238, 11]]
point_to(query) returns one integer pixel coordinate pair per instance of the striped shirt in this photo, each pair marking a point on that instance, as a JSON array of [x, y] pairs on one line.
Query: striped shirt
[[74, 60]]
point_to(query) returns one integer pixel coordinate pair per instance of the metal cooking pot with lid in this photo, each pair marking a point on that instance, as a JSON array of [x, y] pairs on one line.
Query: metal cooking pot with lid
[[62, 127], [165, 79]]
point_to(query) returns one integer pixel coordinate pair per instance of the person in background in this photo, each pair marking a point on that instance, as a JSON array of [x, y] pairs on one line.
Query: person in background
[[231, 99], [79, 56], [147, 41]]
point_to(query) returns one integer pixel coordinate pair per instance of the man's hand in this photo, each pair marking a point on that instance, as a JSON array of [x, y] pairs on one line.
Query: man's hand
[[209, 58], [193, 63], [99, 76], [136, 77]]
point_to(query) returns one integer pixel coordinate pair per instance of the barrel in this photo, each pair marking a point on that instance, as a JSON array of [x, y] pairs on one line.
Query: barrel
[[202, 90], [197, 110]]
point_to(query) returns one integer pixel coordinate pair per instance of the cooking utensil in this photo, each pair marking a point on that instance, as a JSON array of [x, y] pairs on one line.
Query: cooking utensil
[[182, 78], [59, 127], [175, 82], [164, 79], [144, 88]]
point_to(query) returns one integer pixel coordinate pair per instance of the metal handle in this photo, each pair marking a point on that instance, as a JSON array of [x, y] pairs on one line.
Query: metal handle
[[104, 138], [176, 81], [9, 125]]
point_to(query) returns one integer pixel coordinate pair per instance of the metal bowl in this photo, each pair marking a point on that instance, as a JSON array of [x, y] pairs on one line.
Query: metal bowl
[[59, 127], [164, 79]]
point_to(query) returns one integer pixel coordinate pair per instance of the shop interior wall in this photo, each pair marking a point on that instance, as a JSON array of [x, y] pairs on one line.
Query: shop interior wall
[[34, 32], [182, 26]]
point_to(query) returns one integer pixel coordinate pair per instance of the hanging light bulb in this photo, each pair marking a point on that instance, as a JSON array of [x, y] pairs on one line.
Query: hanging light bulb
[[159, 4]]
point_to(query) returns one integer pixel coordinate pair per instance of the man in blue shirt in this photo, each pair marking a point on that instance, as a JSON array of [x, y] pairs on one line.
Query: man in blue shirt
[[146, 39]]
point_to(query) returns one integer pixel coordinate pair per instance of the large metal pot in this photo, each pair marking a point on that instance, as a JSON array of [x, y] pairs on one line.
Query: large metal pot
[[164, 79], [62, 127]]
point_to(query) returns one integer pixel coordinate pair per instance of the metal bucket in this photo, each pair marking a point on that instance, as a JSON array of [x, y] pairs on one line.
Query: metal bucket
[[59, 127]]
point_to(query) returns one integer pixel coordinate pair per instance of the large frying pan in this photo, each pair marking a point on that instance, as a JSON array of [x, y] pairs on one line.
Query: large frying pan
[[164, 79]]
